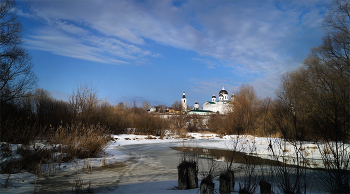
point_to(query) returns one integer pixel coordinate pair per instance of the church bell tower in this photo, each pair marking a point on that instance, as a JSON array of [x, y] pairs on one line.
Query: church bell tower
[[184, 102]]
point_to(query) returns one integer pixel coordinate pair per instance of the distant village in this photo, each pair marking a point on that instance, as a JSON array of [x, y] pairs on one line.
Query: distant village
[[215, 106]]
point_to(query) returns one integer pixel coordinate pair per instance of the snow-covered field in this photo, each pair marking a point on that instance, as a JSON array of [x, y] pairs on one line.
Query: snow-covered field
[[131, 170]]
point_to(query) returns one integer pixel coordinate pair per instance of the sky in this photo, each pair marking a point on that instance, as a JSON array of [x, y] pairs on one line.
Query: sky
[[155, 50]]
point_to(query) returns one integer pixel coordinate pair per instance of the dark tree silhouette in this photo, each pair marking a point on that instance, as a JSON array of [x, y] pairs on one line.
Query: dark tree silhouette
[[16, 75]]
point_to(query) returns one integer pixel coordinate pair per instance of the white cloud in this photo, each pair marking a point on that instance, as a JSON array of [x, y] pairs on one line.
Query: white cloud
[[210, 64], [266, 36], [213, 86], [76, 38], [245, 32], [21, 13], [70, 28], [52, 40]]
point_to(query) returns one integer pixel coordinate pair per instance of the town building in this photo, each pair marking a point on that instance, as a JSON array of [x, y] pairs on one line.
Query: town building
[[221, 106], [184, 102]]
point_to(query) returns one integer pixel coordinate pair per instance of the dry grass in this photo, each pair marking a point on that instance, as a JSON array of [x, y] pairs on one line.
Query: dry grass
[[207, 132], [312, 147], [305, 163], [81, 141], [78, 186], [326, 151], [104, 162], [30, 157], [182, 133], [261, 143], [88, 166], [306, 153], [162, 136], [150, 137], [76, 141]]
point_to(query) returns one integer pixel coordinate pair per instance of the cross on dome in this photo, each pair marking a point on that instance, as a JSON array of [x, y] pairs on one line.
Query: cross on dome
[[223, 91]]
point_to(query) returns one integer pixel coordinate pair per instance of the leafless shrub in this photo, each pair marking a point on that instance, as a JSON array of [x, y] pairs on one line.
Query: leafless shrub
[[78, 186], [289, 179], [209, 172], [249, 180], [5, 150], [81, 141], [336, 160], [7, 181], [88, 166], [30, 157], [18, 131], [104, 162], [89, 187]]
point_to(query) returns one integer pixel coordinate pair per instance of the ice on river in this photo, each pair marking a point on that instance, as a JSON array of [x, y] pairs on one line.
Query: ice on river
[[135, 164]]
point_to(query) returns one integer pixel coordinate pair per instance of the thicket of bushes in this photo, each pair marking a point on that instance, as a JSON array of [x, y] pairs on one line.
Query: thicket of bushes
[[301, 110]]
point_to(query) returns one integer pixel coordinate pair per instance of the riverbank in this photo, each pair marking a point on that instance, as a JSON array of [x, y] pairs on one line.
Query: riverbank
[[132, 164]]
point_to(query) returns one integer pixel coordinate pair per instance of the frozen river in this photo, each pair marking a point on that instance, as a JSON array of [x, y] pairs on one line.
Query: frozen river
[[148, 168]]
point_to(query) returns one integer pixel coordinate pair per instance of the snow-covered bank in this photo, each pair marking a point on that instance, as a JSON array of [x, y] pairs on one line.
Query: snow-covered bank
[[138, 164], [264, 147]]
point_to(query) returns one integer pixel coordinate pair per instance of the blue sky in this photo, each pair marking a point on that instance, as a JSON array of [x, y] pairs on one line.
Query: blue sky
[[155, 50]]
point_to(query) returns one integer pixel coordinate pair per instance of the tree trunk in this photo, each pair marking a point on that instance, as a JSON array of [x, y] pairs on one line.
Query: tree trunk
[[265, 187], [207, 186], [187, 175], [225, 181], [231, 174]]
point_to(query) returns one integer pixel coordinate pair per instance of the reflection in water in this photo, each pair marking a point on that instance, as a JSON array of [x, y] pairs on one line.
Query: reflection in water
[[227, 156], [258, 168]]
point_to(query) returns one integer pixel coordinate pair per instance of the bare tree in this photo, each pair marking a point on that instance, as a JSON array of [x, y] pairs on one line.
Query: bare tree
[[317, 97], [84, 101], [146, 105], [216, 124], [45, 110], [330, 116], [16, 75], [242, 119], [177, 106]]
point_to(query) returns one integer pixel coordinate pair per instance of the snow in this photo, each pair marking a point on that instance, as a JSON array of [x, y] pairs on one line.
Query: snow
[[24, 182]]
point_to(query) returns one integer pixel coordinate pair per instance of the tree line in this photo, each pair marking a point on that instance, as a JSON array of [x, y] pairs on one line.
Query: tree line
[[312, 101], [42, 113]]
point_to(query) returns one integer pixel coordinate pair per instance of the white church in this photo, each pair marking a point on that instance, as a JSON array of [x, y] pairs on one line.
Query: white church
[[214, 106]]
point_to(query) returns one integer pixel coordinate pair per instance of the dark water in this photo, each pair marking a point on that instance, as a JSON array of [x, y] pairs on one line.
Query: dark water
[[262, 166], [230, 156], [226, 155]]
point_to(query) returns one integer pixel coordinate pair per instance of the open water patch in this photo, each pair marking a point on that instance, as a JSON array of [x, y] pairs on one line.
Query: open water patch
[[228, 156]]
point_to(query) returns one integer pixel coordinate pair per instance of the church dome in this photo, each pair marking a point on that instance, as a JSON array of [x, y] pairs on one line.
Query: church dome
[[223, 91], [221, 94], [213, 96], [196, 106]]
